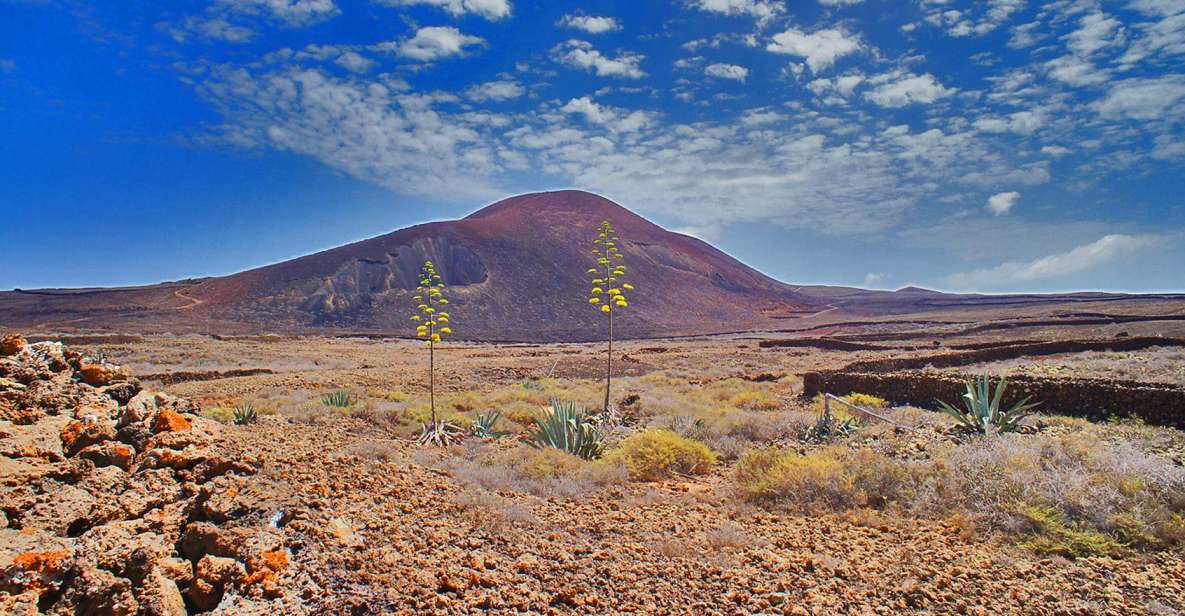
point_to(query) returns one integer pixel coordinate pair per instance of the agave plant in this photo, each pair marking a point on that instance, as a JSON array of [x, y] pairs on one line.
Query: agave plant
[[982, 403], [245, 414], [340, 399], [483, 426], [440, 433], [568, 427]]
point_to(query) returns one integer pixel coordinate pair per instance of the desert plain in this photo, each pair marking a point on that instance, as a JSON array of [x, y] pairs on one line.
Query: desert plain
[[739, 505]]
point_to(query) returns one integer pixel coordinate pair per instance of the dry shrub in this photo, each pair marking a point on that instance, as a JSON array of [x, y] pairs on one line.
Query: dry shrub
[[653, 455], [831, 479], [756, 400], [370, 450], [1075, 492], [730, 535], [545, 472], [490, 511]]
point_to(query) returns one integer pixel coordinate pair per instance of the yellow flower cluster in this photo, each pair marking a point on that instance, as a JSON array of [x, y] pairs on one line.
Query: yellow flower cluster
[[432, 324], [607, 293]]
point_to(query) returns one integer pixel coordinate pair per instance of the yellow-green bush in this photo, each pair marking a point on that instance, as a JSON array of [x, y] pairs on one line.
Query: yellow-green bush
[[756, 400], [865, 400], [833, 478], [221, 414], [653, 455], [546, 462]]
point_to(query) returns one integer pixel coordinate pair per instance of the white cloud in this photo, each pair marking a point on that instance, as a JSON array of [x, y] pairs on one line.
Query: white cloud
[[1076, 71], [1160, 38], [353, 61], [898, 89], [616, 120], [495, 91], [590, 24], [761, 117], [292, 12], [1107, 249], [978, 18], [490, 9], [1001, 203], [1055, 150], [581, 54], [820, 48], [874, 279], [843, 85], [727, 71], [1096, 31], [213, 28], [368, 130], [763, 10], [1144, 99], [433, 43], [1020, 122]]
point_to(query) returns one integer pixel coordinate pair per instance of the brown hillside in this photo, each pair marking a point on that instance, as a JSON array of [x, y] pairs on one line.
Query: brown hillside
[[515, 268]]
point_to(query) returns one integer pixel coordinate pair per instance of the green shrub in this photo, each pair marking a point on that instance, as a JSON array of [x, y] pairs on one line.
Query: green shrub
[[982, 407], [1053, 534], [567, 427], [245, 414], [483, 426], [654, 455], [338, 399]]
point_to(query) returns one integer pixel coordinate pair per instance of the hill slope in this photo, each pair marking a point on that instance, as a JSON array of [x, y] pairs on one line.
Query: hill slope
[[515, 271]]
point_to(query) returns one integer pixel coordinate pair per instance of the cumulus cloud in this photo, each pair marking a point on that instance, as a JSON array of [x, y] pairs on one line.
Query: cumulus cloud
[[820, 48], [974, 19], [582, 55], [727, 71], [495, 91], [1144, 98], [898, 89], [616, 120], [1106, 250], [490, 9], [225, 20], [842, 86], [353, 61], [763, 10], [1001, 203], [590, 24], [291, 12], [874, 279], [433, 43]]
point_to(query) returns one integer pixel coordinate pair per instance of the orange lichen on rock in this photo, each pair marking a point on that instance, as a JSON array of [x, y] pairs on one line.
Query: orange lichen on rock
[[42, 567], [79, 434], [11, 344], [169, 421], [98, 375]]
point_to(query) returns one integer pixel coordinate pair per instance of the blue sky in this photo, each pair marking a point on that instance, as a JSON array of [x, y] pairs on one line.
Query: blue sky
[[998, 145]]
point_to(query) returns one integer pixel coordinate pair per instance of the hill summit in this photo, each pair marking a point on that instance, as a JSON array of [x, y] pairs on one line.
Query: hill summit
[[516, 271]]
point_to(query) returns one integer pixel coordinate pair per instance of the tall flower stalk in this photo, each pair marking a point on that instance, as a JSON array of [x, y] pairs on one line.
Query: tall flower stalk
[[432, 323], [608, 293]]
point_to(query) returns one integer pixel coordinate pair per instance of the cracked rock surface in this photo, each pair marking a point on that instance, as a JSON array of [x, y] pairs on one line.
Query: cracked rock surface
[[118, 500]]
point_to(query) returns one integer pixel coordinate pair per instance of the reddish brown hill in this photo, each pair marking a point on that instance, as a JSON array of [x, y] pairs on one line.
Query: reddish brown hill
[[515, 268]]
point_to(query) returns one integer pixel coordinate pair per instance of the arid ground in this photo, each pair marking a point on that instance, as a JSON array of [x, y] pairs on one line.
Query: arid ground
[[898, 514]]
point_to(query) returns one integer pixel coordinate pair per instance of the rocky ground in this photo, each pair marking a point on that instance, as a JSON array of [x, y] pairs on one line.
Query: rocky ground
[[118, 500]]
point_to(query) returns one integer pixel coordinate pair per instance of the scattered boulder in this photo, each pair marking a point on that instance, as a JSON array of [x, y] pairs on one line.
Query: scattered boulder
[[125, 499], [12, 344]]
